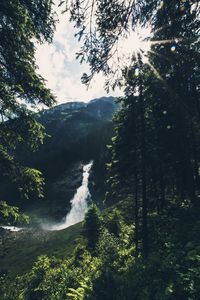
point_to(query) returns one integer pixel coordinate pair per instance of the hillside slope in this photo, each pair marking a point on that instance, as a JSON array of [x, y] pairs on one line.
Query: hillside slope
[[19, 250]]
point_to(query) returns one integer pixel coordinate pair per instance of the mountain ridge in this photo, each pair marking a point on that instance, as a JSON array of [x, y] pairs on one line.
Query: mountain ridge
[[101, 108]]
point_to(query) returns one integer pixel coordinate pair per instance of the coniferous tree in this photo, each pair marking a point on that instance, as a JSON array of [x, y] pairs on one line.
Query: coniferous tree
[[155, 150], [92, 227]]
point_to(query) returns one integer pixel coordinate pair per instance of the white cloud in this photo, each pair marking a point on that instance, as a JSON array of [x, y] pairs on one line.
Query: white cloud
[[57, 64]]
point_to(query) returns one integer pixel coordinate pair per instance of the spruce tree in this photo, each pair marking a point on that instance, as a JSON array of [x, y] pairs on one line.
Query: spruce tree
[[92, 227]]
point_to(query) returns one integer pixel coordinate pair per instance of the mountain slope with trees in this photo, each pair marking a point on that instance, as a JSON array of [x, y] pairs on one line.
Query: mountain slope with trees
[[76, 133]]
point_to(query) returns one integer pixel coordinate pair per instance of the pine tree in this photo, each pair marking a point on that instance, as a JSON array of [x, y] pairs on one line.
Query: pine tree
[[92, 227]]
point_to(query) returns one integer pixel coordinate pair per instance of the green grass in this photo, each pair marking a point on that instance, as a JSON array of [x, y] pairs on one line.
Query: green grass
[[18, 251]]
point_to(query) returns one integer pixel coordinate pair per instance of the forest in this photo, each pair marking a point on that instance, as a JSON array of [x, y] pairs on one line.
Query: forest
[[140, 237]]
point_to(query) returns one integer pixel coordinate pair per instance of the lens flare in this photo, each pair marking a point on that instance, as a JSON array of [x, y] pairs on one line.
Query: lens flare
[[137, 45], [134, 44]]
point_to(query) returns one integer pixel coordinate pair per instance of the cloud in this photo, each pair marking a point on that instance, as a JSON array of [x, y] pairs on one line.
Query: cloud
[[59, 67]]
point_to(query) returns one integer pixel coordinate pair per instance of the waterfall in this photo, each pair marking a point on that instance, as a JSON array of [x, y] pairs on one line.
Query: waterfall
[[79, 203], [79, 206]]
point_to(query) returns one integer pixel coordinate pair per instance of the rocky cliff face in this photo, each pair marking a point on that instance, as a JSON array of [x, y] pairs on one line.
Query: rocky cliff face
[[100, 108]]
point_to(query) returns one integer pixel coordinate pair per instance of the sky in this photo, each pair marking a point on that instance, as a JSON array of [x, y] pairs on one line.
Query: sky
[[59, 67]]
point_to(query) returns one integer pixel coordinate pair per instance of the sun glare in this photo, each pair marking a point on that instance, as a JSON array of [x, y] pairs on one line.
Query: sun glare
[[132, 46], [136, 44]]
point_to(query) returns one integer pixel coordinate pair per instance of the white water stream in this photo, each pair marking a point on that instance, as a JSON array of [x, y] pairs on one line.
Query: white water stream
[[79, 206], [79, 203], [12, 228]]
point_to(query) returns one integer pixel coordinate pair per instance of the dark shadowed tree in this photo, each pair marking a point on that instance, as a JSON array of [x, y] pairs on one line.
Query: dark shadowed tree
[[155, 152], [92, 227], [23, 23]]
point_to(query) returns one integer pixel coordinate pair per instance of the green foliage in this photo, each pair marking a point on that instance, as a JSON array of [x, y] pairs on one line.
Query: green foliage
[[155, 150], [22, 24], [92, 227], [154, 164], [19, 251], [11, 214], [115, 271], [79, 293], [31, 182], [114, 222]]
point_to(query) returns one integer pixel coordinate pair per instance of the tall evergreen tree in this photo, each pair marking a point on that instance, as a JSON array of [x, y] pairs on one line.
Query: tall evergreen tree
[[92, 227]]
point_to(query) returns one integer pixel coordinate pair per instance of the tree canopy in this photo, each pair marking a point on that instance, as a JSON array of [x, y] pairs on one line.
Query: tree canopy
[[22, 89], [155, 151]]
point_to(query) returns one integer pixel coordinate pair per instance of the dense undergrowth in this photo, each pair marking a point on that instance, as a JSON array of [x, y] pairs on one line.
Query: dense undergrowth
[[107, 264]]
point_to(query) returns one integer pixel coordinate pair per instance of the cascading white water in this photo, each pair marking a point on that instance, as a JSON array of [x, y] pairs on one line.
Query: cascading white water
[[79, 203], [12, 228]]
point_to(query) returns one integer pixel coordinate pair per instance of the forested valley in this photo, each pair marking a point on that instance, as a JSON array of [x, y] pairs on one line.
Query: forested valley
[[133, 161]]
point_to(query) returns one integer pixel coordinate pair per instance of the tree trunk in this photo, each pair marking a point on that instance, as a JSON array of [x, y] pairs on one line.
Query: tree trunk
[[144, 188], [136, 214]]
